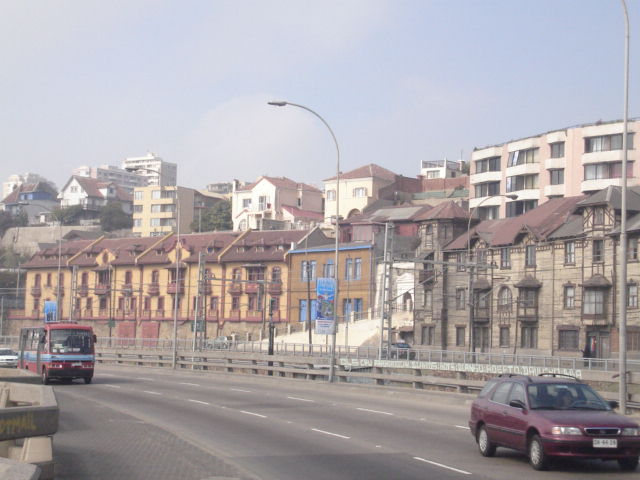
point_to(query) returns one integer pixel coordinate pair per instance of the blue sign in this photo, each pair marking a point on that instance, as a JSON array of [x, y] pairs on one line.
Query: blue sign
[[324, 313], [50, 312]]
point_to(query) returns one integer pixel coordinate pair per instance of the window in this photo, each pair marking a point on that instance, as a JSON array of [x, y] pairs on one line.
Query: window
[[255, 274], [155, 194], [460, 298], [633, 340], [598, 216], [461, 259], [481, 259], [599, 171], [632, 249], [557, 149], [156, 208], [488, 165], [501, 393], [253, 303], [520, 157], [357, 269], [520, 206], [505, 257], [348, 269], [530, 256], [235, 303], [504, 336], [331, 195], [137, 209], [137, 222], [428, 299], [569, 252], [487, 189], [569, 297], [632, 295], [327, 269], [556, 177], [137, 195], [593, 301], [428, 335], [359, 192], [154, 222], [276, 274], [605, 143], [504, 299], [568, 339], [308, 270], [236, 275], [522, 182], [246, 203], [529, 337], [460, 336], [598, 251], [263, 202], [488, 213]]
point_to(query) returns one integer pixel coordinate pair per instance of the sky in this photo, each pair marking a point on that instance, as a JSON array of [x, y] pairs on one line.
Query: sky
[[89, 82]]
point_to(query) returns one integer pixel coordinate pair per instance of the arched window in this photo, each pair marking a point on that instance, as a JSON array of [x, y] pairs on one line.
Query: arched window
[[407, 302], [504, 299], [276, 274], [37, 280], [155, 276]]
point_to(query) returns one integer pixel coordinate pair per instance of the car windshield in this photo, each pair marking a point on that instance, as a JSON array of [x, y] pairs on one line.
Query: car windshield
[[71, 341], [564, 396], [6, 351]]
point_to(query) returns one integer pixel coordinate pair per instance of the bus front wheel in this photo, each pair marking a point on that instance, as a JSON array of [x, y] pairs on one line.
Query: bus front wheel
[[45, 377]]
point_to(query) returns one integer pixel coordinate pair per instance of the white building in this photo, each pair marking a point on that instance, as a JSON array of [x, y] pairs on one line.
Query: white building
[[109, 173], [440, 169], [157, 171]]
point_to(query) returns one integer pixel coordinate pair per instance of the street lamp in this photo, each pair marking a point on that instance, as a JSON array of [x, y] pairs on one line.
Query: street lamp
[[332, 362], [622, 323], [511, 196], [174, 359]]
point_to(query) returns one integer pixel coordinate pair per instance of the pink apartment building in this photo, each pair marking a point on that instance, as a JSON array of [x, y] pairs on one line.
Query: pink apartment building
[[559, 163]]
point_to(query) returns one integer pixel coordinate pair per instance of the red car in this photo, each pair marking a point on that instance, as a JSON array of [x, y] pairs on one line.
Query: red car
[[552, 416]]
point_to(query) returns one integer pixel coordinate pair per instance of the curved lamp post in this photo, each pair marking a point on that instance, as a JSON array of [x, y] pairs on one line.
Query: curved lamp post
[[512, 196], [332, 363]]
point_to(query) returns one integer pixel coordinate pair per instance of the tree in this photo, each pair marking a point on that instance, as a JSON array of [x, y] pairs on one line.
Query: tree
[[217, 217], [8, 221], [68, 215], [112, 217]]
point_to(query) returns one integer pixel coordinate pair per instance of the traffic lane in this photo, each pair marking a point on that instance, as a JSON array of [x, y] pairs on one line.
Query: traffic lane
[[97, 442], [269, 445], [464, 454]]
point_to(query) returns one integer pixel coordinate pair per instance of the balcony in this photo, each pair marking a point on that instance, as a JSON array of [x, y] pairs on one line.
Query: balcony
[[274, 288], [252, 287], [83, 290], [528, 314], [235, 288], [481, 315], [174, 288], [36, 291], [103, 289], [159, 314], [153, 289]]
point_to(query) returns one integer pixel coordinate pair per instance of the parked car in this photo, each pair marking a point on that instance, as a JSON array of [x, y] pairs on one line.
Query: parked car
[[218, 343], [399, 350], [551, 416], [8, 358]]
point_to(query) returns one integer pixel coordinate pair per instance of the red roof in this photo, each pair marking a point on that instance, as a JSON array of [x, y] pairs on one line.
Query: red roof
[[448, 210], [368, 171], [298, 213], [92, 188], [280, 182], [263, 245]]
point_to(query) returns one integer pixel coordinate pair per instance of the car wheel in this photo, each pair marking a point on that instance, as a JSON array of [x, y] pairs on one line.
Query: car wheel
[[45, 377], [628, 464], [87, 380], [487, 449], [537, 458]]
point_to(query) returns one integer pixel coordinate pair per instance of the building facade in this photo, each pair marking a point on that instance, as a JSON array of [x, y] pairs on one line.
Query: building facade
[[109, 173], [560, 163], [157, 171]]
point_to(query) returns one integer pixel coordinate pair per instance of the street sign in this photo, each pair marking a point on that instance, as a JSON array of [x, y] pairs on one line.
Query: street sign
[[324, 313]]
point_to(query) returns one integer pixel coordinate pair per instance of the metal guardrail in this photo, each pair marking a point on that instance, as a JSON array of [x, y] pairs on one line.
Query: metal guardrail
[[418, 354]]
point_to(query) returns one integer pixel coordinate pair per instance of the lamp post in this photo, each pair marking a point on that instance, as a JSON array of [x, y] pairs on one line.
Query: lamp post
[[332, 362], [622, 323], [511, 196], [174, 358]]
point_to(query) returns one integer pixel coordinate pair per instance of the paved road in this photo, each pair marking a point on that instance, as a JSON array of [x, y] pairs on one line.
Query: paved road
[[139, 423]]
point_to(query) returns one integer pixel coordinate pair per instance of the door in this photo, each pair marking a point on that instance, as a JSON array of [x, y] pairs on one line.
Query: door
[[598, 344], [481, 339]]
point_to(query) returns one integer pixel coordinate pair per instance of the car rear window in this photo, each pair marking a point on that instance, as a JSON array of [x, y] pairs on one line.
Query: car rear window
[[487, 388]]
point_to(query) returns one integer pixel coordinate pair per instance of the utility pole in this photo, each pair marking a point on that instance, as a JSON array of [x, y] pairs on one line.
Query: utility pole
[[198, 317], [385, 282], [271, 334], [72, 293], [308, 273]]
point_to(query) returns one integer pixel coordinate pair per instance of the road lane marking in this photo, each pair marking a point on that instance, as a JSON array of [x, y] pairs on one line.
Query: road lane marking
[[462, 427], [106, 374], [190, 384], [143, 378], [442, 466], [198, 401], [151, 393], [112, 386], [254, 414], [300, 399], [240, 390], [330, 433], [374, 411]]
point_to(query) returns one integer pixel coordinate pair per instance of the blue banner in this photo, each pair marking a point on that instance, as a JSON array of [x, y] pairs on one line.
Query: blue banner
[[50, 311], [324, 313]]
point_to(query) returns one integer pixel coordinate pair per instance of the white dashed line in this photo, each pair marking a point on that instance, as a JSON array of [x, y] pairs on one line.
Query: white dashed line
[[373, 411], [151, 393], [198, 401], [190, 384], [111, 386], [442, 466], [254, 414], [106, 374], [300, 399], [462, 427], [330, 433], [143, 378], [240, 390]]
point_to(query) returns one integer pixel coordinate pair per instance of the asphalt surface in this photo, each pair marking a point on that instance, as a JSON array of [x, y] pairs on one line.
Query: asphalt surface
[[139, 423]]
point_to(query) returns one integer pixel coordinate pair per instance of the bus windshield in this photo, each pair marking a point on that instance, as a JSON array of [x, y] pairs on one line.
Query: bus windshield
[[69, 340]]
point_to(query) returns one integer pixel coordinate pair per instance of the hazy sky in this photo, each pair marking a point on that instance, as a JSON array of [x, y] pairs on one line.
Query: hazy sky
[[89, 82]]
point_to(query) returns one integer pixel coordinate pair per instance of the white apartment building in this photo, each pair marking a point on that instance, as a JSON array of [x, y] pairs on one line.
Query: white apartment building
[[440, 169], [157, 171], [109, 173], [559, 163]]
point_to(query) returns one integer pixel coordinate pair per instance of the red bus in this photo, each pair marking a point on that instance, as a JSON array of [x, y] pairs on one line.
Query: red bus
[[60, 351]]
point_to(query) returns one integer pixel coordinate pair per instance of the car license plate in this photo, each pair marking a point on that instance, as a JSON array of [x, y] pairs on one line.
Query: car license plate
[[605, 443], [76, 364]]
